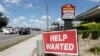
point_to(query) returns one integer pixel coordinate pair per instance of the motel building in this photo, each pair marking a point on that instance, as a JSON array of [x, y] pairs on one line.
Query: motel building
[[91, 15]]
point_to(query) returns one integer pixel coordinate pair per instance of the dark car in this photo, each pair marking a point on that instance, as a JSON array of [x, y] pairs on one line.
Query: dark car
[[24, 31]]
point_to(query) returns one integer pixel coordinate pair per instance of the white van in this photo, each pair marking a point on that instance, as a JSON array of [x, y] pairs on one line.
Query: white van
[[7, 30]]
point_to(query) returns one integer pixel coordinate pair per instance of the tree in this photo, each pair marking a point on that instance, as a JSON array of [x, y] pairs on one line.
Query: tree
[[56, 25], [3, 20]]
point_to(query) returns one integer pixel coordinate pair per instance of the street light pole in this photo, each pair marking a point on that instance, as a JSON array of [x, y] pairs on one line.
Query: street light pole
[[46, 10]]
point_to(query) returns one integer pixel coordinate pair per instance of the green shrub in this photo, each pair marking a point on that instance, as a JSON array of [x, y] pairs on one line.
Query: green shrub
[[85, 34], [89, 26], [82, 27], [79, 31], [94, 34], [99, 33], [95, 50], [49, 54]]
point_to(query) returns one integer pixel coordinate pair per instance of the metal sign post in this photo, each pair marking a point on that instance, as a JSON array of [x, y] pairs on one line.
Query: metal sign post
[[39, 48], [68, 24]]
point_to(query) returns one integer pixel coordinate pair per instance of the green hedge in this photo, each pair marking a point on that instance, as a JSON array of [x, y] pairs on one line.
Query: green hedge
[[95, 50], [85, 33], [89, 26], [82, 27], [82, 31], [94, 34]]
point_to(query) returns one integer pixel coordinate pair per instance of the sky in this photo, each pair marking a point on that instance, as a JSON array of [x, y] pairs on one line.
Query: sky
[[32, 13]]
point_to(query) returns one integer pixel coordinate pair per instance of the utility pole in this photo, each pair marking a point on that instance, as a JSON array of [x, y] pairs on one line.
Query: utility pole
[[46, 10]]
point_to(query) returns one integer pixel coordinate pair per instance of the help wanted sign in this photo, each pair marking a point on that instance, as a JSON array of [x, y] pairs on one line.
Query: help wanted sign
[[61, 42]]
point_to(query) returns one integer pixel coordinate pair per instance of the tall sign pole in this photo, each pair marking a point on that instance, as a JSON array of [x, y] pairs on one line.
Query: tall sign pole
[[47, 19], [68, 15]]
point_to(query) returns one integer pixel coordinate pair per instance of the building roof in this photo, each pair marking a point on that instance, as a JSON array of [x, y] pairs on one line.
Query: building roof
[[92, 14]]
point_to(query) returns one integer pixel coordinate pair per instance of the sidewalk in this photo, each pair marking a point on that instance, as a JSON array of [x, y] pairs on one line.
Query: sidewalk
[[22, 49]]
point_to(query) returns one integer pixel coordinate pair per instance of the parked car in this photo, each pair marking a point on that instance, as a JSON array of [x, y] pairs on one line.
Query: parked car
[[24, 31]]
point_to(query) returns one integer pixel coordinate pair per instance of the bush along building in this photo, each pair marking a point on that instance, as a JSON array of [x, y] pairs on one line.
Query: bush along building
[[90, 22]]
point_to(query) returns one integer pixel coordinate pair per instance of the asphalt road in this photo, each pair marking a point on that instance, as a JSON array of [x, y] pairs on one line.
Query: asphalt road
[[7, 37], [12, 37]]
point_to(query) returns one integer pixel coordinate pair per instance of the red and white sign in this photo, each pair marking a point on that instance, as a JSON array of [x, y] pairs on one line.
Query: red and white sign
[[68, 11], [61, 42]]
